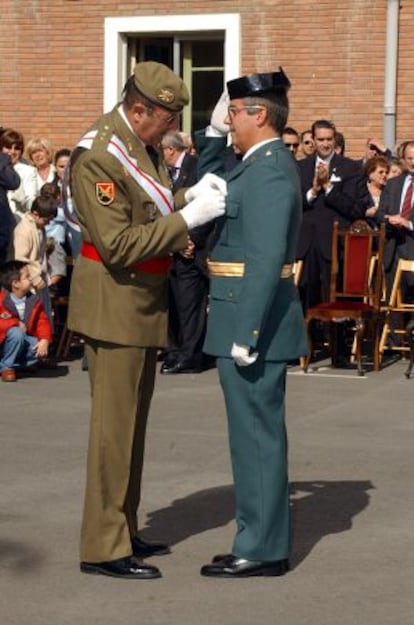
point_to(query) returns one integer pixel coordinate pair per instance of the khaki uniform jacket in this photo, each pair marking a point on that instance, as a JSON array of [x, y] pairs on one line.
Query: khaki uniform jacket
[[109, 300]]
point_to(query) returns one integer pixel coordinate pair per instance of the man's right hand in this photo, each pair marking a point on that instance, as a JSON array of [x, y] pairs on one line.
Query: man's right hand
[[207, 183], [204, 208]]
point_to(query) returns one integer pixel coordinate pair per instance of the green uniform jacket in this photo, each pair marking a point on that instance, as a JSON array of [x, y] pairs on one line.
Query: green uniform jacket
[[110, 301], [260, 229]]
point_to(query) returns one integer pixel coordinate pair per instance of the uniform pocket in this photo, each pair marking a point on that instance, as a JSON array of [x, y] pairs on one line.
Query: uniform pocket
[[225, 289]]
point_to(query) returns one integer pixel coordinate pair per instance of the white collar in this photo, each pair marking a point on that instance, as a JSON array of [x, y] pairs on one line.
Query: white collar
[[257, 146]]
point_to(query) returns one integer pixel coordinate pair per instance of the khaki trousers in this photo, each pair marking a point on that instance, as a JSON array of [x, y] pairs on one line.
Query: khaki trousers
[[122, 384]]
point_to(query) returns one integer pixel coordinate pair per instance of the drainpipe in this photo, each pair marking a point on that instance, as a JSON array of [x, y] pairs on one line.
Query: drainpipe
[[390, 85]]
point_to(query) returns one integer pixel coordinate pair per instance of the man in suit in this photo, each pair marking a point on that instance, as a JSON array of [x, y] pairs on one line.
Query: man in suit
[[188, 292], [290, 138], [330, 192], [396, 207], [255, 324], [118, 300]]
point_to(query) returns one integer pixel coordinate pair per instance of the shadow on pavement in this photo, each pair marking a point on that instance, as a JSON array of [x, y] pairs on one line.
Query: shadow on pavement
[[19, 557], [319, 508]]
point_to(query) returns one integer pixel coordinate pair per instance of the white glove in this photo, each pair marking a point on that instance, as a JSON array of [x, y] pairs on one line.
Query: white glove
[[241, 355], [207, 183], [219, 114], [204, 208]]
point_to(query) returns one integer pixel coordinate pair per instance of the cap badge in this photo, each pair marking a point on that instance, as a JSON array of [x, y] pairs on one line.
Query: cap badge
[[105, 192], [165, 95]]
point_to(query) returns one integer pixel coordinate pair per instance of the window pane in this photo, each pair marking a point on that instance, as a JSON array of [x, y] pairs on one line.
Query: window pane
[[208, 54], [207, 88]]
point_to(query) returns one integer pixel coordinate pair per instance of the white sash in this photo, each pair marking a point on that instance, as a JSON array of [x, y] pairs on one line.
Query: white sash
[[161, 195]]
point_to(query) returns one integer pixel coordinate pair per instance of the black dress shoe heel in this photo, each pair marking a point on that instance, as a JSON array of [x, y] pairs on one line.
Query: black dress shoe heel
[[123, 568], [145, 549]]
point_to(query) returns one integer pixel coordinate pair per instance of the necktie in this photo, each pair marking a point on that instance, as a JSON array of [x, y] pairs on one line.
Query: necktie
[[408, 198], [153, 154], [174, 173]]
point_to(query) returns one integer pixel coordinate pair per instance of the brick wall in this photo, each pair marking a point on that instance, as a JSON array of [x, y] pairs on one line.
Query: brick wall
[[333, 52]]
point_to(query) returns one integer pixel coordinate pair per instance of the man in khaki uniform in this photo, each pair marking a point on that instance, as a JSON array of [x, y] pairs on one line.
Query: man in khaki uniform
[[118, 300]]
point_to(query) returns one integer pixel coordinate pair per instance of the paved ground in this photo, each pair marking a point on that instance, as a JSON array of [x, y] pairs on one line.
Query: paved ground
[[351, 467]]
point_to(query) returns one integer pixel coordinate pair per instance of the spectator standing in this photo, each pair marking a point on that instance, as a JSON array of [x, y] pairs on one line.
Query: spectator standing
[[339, 143], [40, 154], [20, 199], [307, 145], [330, 192], [9, 181], [397, 167], [290, 138], [374, 147], [188, 280], [375, 178], [396, 207]]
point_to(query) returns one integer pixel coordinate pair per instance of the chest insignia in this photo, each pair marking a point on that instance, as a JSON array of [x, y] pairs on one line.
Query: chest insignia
[[5, 315], [105, 192]]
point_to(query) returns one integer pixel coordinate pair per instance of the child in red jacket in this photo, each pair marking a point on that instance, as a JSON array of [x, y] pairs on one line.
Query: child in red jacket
[[25, 331]]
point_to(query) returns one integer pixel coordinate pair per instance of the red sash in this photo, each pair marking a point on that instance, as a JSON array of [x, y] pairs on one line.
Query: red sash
[[152, 265]]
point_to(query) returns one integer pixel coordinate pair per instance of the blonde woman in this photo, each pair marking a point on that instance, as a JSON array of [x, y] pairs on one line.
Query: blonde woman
[[40, 154]]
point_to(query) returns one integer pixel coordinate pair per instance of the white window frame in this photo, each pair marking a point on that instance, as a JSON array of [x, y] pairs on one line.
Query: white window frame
[[117, 30]]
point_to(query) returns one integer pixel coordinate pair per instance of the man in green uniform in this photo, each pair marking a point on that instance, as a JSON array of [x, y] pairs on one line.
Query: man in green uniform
[[118, 300], [255, 323]]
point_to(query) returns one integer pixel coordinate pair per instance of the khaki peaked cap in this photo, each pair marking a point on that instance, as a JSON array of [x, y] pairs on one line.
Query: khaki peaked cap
[[159, 84]]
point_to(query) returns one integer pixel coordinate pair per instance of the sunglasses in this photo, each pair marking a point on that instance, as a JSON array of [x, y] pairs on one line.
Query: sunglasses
[[292, 145]]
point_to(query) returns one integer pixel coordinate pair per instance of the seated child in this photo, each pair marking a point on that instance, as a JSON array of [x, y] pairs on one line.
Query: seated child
[[25, 331], [29, 239]]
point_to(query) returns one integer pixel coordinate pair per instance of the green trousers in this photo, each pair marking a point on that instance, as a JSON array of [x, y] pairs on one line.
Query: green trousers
[[255, 404]]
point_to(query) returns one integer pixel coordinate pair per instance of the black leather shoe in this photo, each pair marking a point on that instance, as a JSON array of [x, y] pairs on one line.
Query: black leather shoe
[[144, 549], [180, 367], [221, 556], [127, 568], [231, 566]]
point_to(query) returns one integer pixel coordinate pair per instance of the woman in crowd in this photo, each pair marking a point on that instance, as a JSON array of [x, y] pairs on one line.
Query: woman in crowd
[[20, 199], [376, 171], [40, 154]]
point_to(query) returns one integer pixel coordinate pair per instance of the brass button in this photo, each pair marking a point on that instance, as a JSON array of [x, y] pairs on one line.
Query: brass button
[[255, 332]]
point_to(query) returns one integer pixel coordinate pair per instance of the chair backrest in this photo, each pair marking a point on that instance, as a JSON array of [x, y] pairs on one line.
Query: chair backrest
[[396, 298], [354, 250]]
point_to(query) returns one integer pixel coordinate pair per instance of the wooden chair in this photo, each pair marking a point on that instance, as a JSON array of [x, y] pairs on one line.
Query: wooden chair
[[63, 336], [399, 307], [297, 274], [354, 293]]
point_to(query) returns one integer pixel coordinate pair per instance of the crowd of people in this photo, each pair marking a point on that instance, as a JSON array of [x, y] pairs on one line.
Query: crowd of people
[[334, 187]]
